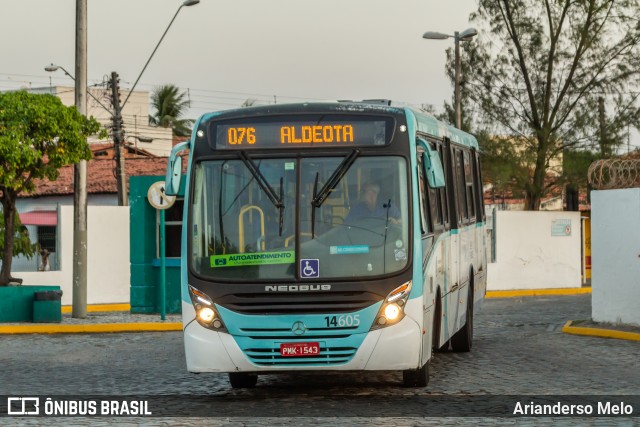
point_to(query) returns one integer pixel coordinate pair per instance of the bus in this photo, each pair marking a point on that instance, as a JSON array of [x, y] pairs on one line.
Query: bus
[[329, 236]]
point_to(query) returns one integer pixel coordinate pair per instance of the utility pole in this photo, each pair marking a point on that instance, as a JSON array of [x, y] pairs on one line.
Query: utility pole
[[604, 143], [118, 140], [79, 307]]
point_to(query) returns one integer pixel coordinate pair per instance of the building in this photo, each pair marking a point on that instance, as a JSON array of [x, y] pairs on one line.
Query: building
[[138, 134], [508, 197], [39, 210]]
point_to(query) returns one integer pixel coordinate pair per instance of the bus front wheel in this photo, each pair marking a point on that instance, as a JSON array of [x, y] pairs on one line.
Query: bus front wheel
[[416, 377], [242, 380]]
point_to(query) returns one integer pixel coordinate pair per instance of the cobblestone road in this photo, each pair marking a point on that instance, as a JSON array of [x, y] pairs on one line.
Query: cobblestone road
[[519, 349]]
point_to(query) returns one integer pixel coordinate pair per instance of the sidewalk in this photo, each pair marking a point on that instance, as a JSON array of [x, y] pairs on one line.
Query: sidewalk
[[576, 327], [100, 319]]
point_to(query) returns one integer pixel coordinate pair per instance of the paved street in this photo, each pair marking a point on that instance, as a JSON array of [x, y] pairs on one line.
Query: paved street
[[519, 349]]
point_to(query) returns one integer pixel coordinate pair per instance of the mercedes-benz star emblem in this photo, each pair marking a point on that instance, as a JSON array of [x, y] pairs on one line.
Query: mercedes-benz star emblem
[[298, 328]]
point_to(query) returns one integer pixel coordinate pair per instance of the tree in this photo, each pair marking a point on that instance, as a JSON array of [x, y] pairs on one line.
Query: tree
[[170, 105], [537, 72], [38, 135]]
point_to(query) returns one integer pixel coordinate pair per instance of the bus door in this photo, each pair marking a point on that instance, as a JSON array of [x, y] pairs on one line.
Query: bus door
[[428, 276], [432, 221], [454, 277], [466, 232], [444, 273]]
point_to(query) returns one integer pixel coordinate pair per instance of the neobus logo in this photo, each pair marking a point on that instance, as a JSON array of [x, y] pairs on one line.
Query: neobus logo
[[297, 288]]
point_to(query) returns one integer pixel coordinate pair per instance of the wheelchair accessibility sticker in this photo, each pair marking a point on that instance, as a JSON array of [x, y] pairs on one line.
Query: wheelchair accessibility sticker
[[309, 268]]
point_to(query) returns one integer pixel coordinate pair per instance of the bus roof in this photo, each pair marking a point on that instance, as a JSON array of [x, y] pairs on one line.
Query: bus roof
[[305, 107], [431, 126], [425, 123]]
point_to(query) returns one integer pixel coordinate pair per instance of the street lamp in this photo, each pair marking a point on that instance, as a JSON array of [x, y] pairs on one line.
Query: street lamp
[[53, 68], [184, 3], [464, 36], [121, 176]]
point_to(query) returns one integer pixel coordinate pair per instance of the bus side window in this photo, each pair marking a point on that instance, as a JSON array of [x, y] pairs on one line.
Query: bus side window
[[469, 186], [424, 209], [463, 216], [435, 203], [479, 193], [442, 192], [435, 207]]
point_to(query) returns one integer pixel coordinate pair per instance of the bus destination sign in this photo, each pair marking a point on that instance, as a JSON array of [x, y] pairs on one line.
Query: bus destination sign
[[295, 133]]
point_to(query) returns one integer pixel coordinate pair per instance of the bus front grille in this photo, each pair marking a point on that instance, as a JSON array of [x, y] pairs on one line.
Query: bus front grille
[[293, 303]]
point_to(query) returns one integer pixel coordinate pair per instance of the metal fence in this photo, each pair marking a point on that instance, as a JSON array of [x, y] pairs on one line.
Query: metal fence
[[614, 173]]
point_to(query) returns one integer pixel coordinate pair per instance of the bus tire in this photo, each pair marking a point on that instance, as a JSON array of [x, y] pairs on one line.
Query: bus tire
[[462, 340], [242, 380], [416, 377]]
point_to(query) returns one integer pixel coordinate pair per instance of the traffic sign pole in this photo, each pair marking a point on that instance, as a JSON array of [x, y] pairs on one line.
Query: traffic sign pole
[[159, 200], [163, 269]]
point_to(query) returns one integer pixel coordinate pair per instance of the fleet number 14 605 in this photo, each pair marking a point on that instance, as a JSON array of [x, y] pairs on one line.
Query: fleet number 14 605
[[342, 321]]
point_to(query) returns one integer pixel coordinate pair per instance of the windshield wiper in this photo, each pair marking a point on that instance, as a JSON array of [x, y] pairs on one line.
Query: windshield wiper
[[327, 188], [266, 187], [313, 207]]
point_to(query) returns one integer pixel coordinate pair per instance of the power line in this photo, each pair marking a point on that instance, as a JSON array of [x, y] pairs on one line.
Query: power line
[[200, 99]]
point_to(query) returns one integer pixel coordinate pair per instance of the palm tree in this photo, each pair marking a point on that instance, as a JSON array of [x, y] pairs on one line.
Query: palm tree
[[170, 105]]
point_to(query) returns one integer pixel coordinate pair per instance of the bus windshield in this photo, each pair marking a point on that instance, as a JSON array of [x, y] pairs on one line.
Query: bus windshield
[[360, 229]]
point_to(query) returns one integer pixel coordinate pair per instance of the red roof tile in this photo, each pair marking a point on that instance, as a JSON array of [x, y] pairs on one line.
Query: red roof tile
[[100, 176]]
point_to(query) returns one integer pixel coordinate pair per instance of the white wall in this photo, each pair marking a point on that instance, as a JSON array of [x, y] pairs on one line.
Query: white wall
[[615, 251], [50, 203], [534, 251], [108, 262]]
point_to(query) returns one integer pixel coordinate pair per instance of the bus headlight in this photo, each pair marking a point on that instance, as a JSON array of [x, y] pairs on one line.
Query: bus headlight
[[392, 310], [206, 314]]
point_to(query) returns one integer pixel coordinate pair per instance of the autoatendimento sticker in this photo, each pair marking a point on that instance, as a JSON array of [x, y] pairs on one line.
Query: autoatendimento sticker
[[258, 258]]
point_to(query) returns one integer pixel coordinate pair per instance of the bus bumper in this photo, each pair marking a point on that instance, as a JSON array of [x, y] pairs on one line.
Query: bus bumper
[[396, 347]]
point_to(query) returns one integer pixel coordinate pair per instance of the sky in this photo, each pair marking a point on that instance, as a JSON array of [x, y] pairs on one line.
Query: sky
[[223, 52]]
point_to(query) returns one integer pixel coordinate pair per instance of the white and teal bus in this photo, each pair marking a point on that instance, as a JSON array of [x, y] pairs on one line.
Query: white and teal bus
[[344, 236]]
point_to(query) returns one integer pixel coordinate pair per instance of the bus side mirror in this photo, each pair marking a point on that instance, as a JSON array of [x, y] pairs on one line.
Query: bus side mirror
[[432, 166], [174, 170]]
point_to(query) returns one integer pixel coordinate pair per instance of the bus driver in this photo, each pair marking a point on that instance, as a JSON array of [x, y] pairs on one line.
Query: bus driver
[[369, 207]]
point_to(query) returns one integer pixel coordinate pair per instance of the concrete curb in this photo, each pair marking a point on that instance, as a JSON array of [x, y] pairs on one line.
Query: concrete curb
[[91, 328], [537, 292], [94, 328], [597, 332]]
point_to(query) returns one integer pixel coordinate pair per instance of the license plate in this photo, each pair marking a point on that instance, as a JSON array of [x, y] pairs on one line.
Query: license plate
[[299, 349]]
